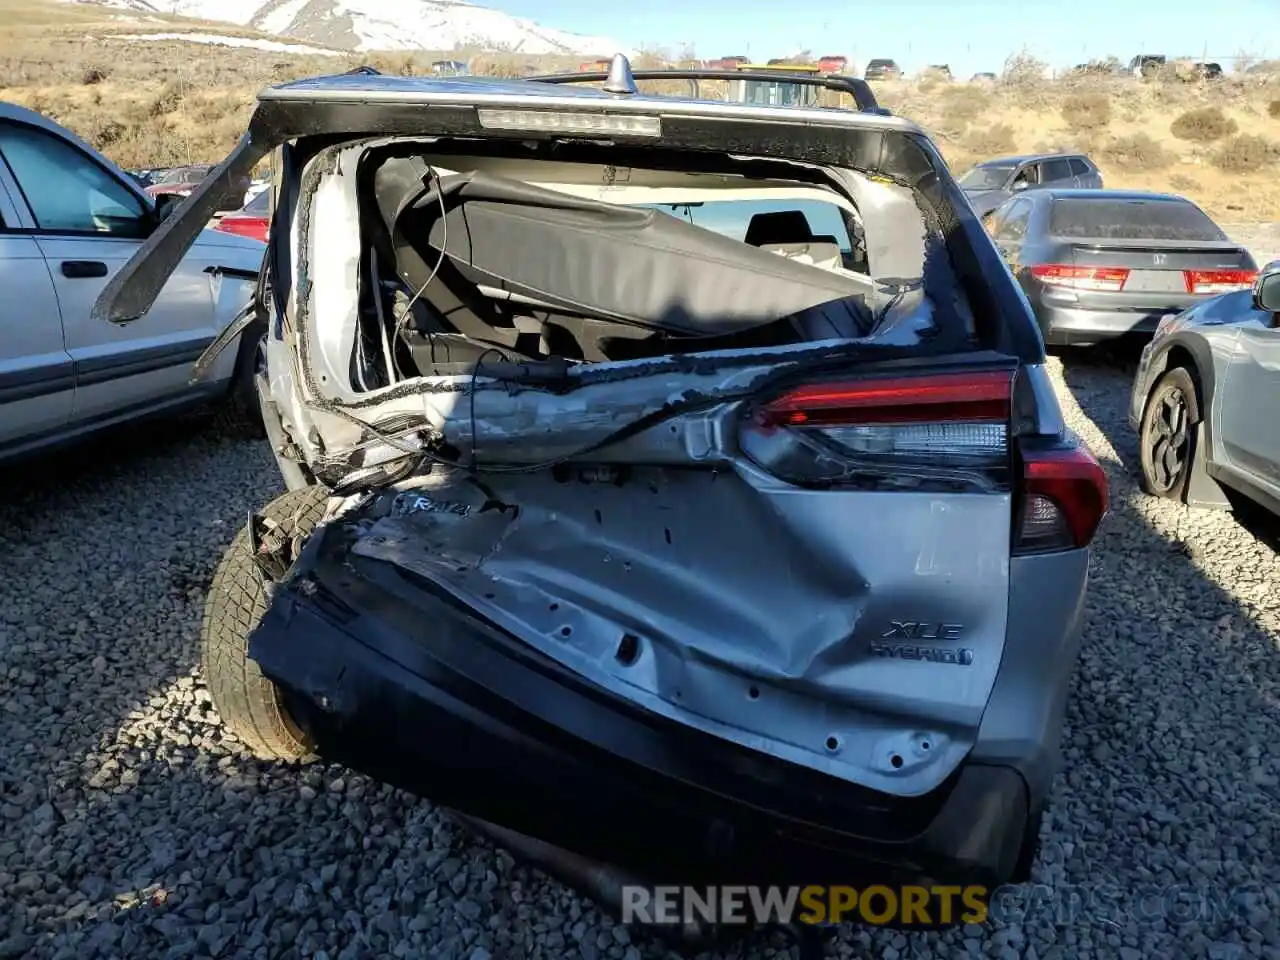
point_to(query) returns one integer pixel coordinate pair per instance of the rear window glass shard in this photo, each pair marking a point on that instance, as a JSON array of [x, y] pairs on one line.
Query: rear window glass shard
[[1131, 220]]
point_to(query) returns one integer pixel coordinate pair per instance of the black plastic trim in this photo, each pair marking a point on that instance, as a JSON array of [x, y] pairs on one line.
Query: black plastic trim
[[16, 385], [403, 684], [133, 362]]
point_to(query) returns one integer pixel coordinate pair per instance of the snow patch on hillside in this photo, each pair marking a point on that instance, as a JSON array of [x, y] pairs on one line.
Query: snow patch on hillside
[[249, 43], [368, 25]]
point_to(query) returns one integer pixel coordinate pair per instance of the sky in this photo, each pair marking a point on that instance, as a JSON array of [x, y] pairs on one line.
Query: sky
[[969, 35]]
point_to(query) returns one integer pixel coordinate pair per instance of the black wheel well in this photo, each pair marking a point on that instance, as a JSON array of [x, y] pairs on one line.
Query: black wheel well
[[1180, 356]]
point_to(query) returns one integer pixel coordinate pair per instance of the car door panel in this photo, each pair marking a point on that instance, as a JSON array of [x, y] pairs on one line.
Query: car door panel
[[1250, 428], [87, 224], [147, 360], [36, 378]]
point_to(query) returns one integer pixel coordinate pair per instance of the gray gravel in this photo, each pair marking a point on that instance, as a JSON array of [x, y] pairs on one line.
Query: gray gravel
[[133, 828]]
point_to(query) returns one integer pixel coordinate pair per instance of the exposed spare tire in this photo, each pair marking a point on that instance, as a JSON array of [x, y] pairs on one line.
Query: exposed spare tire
[[249, 704]]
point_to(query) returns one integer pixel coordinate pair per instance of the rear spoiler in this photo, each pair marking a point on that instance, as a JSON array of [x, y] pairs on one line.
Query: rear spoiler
[[1143, 245]]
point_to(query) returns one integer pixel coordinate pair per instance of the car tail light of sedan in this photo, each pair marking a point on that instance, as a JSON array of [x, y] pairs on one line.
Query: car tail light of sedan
[[255, 227], [1110, 279], [1213, 282]]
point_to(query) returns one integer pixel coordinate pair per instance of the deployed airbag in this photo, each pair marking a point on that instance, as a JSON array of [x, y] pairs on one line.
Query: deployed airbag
[[632, 265]]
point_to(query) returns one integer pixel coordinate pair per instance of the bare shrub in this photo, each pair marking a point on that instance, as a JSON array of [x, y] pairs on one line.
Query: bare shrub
[[995, 139], [1245, 153], [1137, 151], [103, 132], [93, 73], [166, 101], [1184, 183], [1273, 109], [961, 105], [1203, 125], [1090, 111], [1024, 70]]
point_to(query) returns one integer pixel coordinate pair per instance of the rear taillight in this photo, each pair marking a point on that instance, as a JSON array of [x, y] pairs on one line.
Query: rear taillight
[[944, 431], [1063, 499], [1212, 282], [255, 227], [1081, 278]]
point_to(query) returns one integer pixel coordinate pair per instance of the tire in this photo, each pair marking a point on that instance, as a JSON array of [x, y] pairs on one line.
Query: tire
[[249, 704], [1167, 438], [239, 413]]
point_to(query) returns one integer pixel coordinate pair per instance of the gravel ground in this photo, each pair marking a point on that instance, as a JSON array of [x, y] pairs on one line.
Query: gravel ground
[[132, 828]]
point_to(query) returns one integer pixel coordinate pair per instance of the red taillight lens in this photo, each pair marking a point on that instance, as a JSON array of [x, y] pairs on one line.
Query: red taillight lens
[[1064, 498], [947, 430], [948, 396], [1081, 278], [255, 227], [1212, 282]]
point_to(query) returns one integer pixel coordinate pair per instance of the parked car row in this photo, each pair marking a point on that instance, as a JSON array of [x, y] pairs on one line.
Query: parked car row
[[1098, 264], [69, 220]]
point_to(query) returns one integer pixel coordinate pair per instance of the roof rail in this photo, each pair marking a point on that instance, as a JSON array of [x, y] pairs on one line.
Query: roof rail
[[856, 87]]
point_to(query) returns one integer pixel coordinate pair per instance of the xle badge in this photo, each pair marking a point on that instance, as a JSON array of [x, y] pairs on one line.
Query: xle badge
[[901, 642]]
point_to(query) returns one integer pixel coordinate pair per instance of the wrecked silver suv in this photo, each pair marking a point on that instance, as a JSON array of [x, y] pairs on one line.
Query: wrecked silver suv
[[675, 482]]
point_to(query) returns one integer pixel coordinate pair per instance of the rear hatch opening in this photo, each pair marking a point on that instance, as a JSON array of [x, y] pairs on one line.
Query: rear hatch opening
[[529, 260], [667, 410], [444, 272]]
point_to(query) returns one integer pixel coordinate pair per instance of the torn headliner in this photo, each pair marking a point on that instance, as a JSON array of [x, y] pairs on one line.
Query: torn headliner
[[604, 260]]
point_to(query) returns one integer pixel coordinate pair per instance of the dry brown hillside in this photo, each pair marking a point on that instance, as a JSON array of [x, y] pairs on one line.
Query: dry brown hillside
[[154, 103], [1217, 142]]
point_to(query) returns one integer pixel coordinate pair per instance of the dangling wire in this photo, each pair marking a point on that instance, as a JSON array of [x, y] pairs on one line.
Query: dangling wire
[[387, 356], [475, 373], [407, 315]]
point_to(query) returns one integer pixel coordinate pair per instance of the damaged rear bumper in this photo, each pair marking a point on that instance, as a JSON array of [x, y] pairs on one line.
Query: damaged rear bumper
[[401, 683]]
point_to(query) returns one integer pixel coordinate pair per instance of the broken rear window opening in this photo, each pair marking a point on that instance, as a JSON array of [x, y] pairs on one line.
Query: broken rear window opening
[[459, 256], [431, 271]]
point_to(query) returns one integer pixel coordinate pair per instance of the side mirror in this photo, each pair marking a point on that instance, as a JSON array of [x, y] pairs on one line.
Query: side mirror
[[1266, 289], [166, 203], [1020, 185]]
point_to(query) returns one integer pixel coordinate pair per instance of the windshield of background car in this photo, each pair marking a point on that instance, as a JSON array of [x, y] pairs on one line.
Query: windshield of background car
[[1132, 220], [732, 217], [986, 178], [780, 94]]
